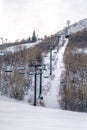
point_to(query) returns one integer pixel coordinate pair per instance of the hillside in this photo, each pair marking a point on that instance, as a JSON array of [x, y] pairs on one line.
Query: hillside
[[73, 89], [62, 71], [78, 26], [63, 65]]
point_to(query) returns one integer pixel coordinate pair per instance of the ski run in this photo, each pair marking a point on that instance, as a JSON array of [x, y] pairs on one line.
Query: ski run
[[52, 86], [15, 115], [21, 116]]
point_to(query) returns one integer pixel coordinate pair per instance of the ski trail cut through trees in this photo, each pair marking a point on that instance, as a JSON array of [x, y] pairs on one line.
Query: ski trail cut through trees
[[51, 98]]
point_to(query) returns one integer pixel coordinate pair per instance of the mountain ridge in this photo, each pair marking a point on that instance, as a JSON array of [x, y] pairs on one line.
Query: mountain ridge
[[78, 26]]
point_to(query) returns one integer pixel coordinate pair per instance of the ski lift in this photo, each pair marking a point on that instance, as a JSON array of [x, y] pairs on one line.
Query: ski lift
[[45, 56], [40, 97], [9, 69], [43, 67], [67, 36], [55, 52], [46, 76], [31, 73], [21, 68], [53, 59], [22, 73]]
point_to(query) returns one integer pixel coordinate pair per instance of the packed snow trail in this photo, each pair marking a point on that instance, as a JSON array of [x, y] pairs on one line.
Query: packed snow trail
[[20, 116], [51, 98]]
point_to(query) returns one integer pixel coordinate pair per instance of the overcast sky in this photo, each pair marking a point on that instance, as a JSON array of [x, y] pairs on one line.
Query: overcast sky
[[18, 18]]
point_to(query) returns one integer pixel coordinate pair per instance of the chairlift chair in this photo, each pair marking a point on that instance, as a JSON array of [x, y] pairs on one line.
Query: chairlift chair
[[20, 67], [9, 69], [46, 76], [22, 73], [45, 56], [55, 52], [40, 97]]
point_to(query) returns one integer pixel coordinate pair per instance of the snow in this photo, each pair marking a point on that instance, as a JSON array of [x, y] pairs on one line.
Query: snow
[[21, 46], [81, 51], [82, 24], [79, 26], [16, 115], [52, 84], [21, 116]]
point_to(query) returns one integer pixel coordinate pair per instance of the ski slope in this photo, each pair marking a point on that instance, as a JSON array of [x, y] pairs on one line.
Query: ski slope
[[52, 83], [78, 26], [20, 116]]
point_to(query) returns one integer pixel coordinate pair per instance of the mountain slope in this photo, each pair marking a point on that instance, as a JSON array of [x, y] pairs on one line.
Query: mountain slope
[[53, 82], [78, 26]]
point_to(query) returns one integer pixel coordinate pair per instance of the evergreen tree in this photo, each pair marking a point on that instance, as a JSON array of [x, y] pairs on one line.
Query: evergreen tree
[[34, 38]]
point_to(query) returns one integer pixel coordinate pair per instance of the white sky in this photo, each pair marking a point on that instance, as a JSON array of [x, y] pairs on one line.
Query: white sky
[[18, 18]]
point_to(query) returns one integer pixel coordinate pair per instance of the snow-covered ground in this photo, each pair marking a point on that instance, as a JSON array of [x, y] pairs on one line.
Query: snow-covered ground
[[52, 83], [21, 116], [80, 51], [16, 115], [22, 46], [78, 26], [19, 47]]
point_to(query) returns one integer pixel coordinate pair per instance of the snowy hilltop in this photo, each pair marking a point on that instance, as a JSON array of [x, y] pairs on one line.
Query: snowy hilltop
[[78, 26]]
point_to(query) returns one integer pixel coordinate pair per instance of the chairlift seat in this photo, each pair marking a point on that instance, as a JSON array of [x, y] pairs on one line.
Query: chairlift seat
[[9, 71], [41, 97], [55, 52], [45, 56], [21, 73], [20, 68], [46, 76]]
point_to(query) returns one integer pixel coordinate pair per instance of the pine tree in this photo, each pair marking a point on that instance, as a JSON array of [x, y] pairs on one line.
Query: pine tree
[[34, 38]]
